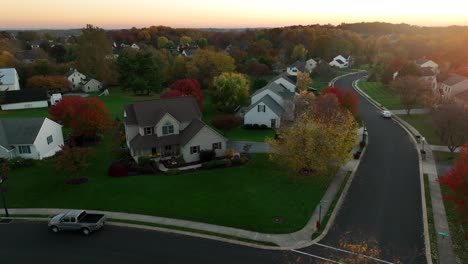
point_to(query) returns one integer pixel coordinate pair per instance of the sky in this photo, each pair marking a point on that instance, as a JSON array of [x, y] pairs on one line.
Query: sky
[[26, 14]]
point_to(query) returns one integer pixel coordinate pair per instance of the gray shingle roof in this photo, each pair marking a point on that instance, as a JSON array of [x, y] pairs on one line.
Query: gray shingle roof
[[191, 130], [300, 65], [149, 113], [8, 75], [427, 71], [277, 89], [454, 79], [17, 131], [270, 102], [421, 61], [27, 95]]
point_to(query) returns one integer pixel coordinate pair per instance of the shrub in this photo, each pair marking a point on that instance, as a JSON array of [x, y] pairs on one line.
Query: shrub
[[19, 162], [172, 171], [229, 152], [255, 126], [248, 126], [357, 155], [226, 122], [239, 161], [207, 155], [214, 164], [263, 126], [227, 163], [144, 161], [117, 170]]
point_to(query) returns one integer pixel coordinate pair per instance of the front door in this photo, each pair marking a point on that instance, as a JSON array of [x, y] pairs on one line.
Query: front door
[[273, 123], [153, 151]]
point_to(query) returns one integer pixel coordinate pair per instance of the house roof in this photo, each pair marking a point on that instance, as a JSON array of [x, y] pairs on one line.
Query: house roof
[[463, 96], [421, 61], [35, 42], [17, 131], [278, 89], [27, 95], [270, 102], [9, 75], [190, 52], [291, 78], [285, 77], [149, 113], [142, 142], [454, 79], [300, 65], [340, 61]]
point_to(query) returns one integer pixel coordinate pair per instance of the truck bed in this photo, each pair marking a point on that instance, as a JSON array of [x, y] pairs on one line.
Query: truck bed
[[91, 218]]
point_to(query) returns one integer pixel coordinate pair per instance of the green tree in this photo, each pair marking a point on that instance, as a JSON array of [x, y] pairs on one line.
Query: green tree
[[230, 91], [93, 47], [206, 64], [184, 40], [162, 42], [409, 68], [139, 72], [202, 42], [144, 36], [299, 52]]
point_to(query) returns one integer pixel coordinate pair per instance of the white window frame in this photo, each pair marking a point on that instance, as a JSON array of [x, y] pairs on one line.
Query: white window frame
[[151, 130], [194, 149], [261, 108], [24, 149], [168, 129]]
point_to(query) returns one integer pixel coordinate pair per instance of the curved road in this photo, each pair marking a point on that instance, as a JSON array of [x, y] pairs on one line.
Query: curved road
[[383, 202], [384, 199]]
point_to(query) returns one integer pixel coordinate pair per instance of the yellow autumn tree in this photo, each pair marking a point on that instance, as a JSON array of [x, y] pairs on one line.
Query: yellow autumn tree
[[6, 59], [315, 146], [303, 81], [304, 102]]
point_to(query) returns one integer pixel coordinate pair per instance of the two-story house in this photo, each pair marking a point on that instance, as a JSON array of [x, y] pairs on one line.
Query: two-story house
[[169, 127], [452, 86], [79, 81], [340, 61]]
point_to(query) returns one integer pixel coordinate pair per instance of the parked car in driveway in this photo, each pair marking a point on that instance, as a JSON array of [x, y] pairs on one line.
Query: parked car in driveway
[[77, 220], [386, 114]]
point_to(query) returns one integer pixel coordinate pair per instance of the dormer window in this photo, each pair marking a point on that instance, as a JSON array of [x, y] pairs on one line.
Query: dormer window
[[149, 131], [261, 108], [168, 128]]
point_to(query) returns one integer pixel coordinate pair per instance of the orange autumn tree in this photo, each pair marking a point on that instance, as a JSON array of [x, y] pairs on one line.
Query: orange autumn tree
[[87, 118], [52, 82]]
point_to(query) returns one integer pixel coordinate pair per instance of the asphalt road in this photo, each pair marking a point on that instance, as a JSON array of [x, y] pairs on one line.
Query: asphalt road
[[32, 242], [384, 199]]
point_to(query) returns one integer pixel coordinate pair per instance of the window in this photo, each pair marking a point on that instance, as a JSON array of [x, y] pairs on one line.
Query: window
[[168, 148], [194, 149], [217, 145], [66, 220], [49, 140], [168, 129], [261, 108], [149, 130], [24, 149]]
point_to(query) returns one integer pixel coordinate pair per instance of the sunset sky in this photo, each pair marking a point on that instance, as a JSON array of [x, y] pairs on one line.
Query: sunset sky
[[225, 13]]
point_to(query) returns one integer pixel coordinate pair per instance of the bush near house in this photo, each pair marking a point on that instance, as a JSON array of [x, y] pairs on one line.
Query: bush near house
[[207, 155]]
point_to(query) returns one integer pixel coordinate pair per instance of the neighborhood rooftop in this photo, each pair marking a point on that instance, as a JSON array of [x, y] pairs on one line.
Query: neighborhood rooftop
[[277, 89], [270, 102], [27, 95], [454, 79], [7, 76], [149, 113], [19, 130]]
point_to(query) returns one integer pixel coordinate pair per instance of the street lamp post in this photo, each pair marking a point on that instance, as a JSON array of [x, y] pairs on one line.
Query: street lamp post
[[3, 198], [423, 139]]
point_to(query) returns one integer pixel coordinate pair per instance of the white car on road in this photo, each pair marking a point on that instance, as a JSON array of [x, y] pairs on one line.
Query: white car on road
[[386, 114]]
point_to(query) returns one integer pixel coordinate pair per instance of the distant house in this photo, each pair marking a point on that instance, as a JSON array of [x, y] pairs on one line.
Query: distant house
[[124, 45], [55, 98], [76, 79], [79, 81], [169, 127], [272, 104], [135, 46], [311, 64], [287, 81], [30, 138], [452, 86], [24, 99], [340, 62], [297, 66], [189, 52], [429, 77], [30, 56], [91, 85], [9, 79], [425, 63], [35, 44]]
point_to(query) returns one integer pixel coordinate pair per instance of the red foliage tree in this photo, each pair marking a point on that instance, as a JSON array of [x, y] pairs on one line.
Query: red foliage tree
[[189, 87], [398, 63], [457, 181], [86, 117], [53, 82], [346, 99], [334, 90]]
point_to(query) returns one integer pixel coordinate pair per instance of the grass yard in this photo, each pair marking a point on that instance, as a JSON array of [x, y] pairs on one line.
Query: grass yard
[[423, 124], [382, 95], [247, 197], [445, 158]]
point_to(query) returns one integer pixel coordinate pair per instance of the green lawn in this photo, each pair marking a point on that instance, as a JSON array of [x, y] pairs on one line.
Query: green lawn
[[246, 197], [423, 124], [444, 157], [381, 94]]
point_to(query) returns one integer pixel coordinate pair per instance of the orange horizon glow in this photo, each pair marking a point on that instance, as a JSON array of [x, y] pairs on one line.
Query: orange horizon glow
[[30, 14]]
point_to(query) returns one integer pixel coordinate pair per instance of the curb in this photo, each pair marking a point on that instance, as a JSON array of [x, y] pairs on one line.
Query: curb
[[421, 172], [332, 82]]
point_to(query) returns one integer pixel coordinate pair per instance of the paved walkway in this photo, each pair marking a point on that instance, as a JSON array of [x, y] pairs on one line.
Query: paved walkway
[[419, 111], [294, 240], [257, 147], [442, 148], [428, 165]]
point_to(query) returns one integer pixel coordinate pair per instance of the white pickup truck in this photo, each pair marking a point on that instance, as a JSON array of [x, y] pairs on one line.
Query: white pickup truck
[[77, 220]]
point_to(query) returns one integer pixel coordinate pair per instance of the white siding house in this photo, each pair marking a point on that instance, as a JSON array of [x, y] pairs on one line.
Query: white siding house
[[423, 63], [169, 128], [9, 80], [92, 85], [454, 85], [310, 65], [30, 138], [340, 62], [76, 79], [264, 112]]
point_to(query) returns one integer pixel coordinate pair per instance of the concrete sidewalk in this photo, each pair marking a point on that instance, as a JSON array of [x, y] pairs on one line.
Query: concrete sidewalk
[[419, 111], [257, 147], [443, 148], [428, 166], [295, 240]]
